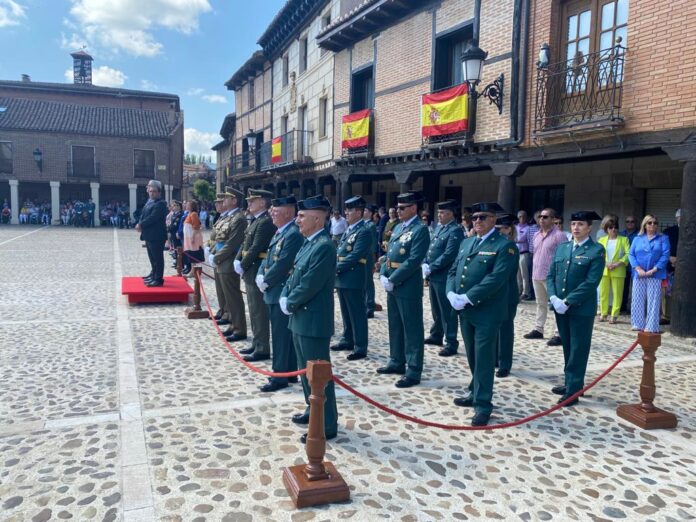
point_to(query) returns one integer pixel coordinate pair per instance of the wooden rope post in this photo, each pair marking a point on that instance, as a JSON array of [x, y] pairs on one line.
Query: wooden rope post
[[646, 415], [179, 260], [196, 312], [316, 482]]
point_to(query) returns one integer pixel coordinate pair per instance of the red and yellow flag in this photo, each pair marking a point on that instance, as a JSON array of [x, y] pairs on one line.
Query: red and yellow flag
[[445, 112], [355, 131], [277, 149]]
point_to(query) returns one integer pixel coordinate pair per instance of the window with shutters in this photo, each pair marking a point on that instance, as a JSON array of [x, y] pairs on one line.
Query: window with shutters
[[5, 157]]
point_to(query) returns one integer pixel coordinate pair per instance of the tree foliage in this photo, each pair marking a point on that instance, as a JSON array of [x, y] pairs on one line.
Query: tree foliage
[[203, 190]]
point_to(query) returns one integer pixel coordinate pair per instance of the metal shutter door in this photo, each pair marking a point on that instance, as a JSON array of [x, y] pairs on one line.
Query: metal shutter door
[[663, 203]]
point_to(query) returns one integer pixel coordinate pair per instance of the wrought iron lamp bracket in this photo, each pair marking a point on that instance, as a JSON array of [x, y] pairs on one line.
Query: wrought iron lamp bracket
[[494, 92]]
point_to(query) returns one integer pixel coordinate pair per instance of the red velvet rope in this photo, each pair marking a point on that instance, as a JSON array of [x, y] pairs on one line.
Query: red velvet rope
[[235, 353]]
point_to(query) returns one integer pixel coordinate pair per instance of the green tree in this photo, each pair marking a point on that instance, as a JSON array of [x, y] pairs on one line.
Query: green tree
[[203, 190]]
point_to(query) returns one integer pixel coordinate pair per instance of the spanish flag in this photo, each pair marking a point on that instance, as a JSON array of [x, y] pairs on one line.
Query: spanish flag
[[445, 112], [355, 131], [277, 149]]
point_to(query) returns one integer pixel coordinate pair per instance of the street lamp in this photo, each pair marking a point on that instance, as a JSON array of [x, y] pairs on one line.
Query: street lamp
[[251, 140], [472, 64], [544, 56], [38, 158]]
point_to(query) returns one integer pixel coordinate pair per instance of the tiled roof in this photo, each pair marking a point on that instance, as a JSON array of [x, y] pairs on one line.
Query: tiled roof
[[90, 89], [286, 23], [44, 116], [347, 16]]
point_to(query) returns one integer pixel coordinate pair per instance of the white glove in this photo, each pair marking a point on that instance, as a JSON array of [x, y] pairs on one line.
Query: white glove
[[284, 305], [206, 252], [211, 259], [558, 305], [451, 297], [238, 267], [425, 269], [388, 285], [261, 283]]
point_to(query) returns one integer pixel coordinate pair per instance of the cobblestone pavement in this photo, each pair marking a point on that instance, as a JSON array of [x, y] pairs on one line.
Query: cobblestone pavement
[[117, 412]]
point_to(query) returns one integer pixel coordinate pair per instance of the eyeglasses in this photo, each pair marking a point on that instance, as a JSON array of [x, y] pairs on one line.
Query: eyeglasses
[[403, 208], [480, 217], [630, 221], [612, 227], [542, 216], [651, 223]]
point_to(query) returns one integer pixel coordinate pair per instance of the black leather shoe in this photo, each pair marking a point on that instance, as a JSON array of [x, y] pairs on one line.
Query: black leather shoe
[[447, 352], [293, 380], [300, 418], [430, 340], [303, 438], [217, 317], [257, 357], [370, 315], [558, 390], [236, 337], [406, 382], [464, 402], [534, 334], [149, 276], [356, 356], [222, 322], [387, 370], [502, 373], [340, 347], [272, 386], [555, 341], [246, 351], [480, 419], [229, 331], [154, 283], [571, 403]]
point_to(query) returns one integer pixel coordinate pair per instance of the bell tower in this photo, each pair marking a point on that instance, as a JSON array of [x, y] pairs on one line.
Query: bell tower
[[82, 68]]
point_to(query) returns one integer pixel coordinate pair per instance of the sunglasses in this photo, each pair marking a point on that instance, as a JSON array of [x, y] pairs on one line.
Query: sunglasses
[[544, 217], [404, 207], [480, 217], [612, 227], [651, 223], [630, 221]]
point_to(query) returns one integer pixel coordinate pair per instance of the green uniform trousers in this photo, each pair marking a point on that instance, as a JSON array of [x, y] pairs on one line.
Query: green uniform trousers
[[284, 358], [234, 303], [405, 335], [444, 316], [258, 314], [370, 290], [312, 349], [506, 340], [354, 319], [576, 336], [480, 338], [220, 293]]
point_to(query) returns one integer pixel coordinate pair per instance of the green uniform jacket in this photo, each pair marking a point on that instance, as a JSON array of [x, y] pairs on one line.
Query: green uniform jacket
[[444, 247], [352, 255], [230, 231], [310, 288], [256, 240], [277, 267], [574, 276], [407, 247], [482, 273]]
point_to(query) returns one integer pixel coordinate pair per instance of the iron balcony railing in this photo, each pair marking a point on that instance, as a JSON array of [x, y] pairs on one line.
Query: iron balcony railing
[[84, 169], [291, 148], [584, 90], [244, 163]]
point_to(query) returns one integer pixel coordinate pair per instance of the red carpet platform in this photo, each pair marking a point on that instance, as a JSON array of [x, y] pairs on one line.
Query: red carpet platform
[[175, 290]]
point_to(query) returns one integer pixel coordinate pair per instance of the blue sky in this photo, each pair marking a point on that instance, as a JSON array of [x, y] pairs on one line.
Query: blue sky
[[185, 47]]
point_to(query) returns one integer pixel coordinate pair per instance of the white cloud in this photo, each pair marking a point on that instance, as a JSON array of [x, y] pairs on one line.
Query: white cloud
[[104, 76], [198, 142], [147, 85], [195, 91], [127, 25], [214, 98], [11, 13]]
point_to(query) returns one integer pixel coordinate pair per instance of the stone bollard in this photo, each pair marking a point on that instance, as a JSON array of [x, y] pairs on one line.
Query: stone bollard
[[645, 415], [196, 312], [316, 482], [179, 260]]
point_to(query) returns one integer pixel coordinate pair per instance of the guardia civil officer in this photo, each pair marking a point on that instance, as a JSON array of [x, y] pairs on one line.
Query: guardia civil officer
[[271, 279], [402, 279], [506, 335], [353, 255], [229, 235], [572, 283], [308, 299], [254, 250], [210, 252], [477, 287], [368, 212], [444, 246]]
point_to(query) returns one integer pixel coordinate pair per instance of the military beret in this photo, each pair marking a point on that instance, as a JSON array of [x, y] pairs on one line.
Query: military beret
[[231, 192], [493, 208], [585, 215], [450, 204], [506, 220], [287, 201], [356, 202], [314, 203], [258, 193], [409, 198]]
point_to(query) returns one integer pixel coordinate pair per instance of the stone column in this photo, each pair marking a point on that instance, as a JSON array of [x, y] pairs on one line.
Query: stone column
[[95, 199], [14, 201], [55, 202], [133, 197], [507, 173]]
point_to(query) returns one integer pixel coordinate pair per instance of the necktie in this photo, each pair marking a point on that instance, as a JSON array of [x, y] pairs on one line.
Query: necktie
[[476, 243], [575, 247]]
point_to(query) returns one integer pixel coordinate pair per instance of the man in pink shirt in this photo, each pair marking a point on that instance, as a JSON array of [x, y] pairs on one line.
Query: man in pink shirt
[[545, 243]]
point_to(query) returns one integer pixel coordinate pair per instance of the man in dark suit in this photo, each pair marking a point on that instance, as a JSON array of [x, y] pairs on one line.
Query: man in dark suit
[[308, 299], [272, 276], [153, 230]]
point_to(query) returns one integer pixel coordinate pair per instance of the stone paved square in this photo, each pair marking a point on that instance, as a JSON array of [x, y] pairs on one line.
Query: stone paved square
[[117, 412]]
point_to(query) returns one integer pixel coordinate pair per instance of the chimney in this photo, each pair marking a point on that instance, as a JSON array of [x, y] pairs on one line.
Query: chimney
[[26, 78]]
